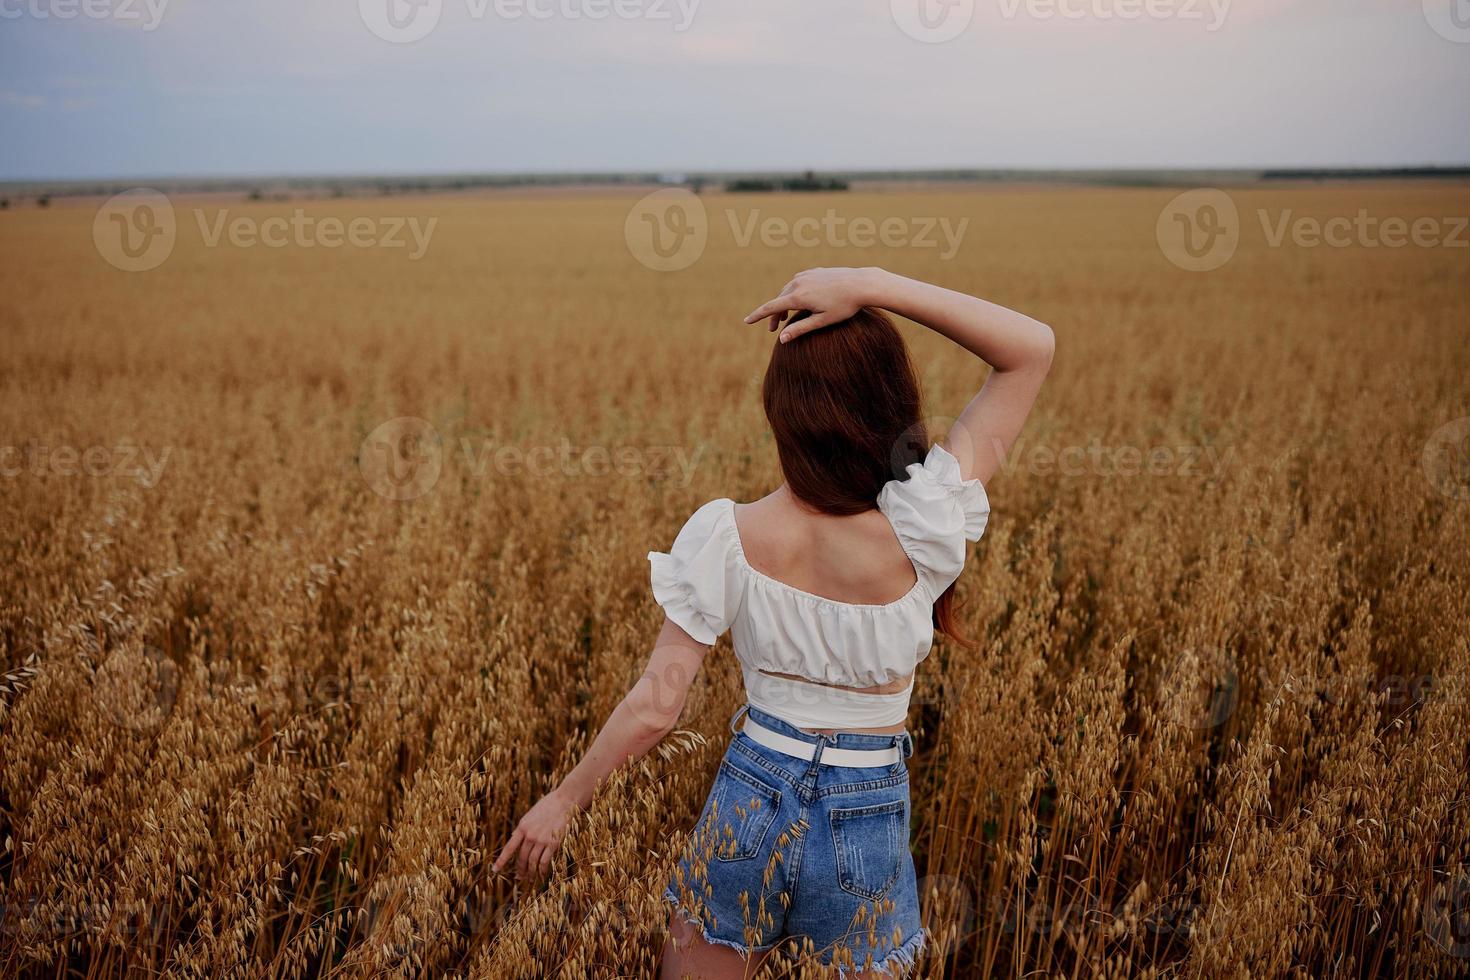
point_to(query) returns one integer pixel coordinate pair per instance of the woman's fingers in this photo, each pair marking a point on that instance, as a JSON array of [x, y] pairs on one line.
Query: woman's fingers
[[781, 304], [777, 308], [531, 858], [507, 852], [778, 311], [538, 858], [806, 325], [528, 854]]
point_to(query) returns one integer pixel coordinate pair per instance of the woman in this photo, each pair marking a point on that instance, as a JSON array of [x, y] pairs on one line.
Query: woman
[[833, 585]]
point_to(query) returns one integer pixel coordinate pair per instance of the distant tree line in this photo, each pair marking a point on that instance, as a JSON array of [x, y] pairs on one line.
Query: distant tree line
[[806, 182]]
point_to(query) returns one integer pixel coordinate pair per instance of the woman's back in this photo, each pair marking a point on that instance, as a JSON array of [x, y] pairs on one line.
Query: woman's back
[[854, 559], [829, 614]]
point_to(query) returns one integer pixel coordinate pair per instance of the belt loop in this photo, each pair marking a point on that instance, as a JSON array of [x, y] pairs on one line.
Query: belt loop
[[817, 755], [736, 716], [907, 741]]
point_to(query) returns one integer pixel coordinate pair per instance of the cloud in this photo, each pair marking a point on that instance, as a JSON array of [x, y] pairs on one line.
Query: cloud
[[286, 87], [21, 100]]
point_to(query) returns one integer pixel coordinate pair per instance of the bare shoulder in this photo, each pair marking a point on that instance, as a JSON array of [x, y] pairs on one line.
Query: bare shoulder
[[856, 559]]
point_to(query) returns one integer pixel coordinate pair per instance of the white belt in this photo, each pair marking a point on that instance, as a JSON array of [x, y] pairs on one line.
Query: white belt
[[856, 758]]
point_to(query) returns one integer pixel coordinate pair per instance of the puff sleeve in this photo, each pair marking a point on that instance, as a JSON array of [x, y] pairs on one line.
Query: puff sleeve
[[934, 512], [693, 582]]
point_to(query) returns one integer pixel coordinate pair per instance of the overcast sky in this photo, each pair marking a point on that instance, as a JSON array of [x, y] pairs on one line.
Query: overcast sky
[[134, 88]]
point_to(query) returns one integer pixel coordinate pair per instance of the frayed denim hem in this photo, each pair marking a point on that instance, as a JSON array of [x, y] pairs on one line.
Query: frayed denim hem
[[899, 960], [741, 948]]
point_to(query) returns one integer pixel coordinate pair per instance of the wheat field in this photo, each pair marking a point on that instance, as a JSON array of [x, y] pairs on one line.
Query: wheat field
[[270, 709]]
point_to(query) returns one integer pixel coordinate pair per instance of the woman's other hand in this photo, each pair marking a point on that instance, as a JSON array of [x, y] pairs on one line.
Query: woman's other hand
[[538, 836]]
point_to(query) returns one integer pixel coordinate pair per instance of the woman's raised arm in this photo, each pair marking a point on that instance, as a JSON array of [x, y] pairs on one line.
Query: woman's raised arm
[[1018, 348]]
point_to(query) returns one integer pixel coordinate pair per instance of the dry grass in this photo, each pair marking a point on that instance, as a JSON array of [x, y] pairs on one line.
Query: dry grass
[[257, 719]]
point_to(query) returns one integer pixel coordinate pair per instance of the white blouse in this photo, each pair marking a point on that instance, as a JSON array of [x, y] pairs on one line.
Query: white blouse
[[706, 586]]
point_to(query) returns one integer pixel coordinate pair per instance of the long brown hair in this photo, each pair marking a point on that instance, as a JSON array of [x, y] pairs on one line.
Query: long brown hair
[[845, 407]]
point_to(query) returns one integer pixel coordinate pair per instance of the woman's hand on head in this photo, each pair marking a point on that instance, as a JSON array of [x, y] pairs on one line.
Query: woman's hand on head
[[815, 299]]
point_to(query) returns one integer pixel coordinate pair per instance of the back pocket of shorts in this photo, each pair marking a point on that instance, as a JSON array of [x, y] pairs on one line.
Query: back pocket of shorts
[[871, 842], [740, 811]]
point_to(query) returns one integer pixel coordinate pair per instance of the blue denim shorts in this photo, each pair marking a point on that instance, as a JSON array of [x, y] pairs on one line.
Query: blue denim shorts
[[788, 850]]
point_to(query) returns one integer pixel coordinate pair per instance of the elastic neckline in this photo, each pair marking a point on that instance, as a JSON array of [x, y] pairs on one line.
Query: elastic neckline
[[870, 606]]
